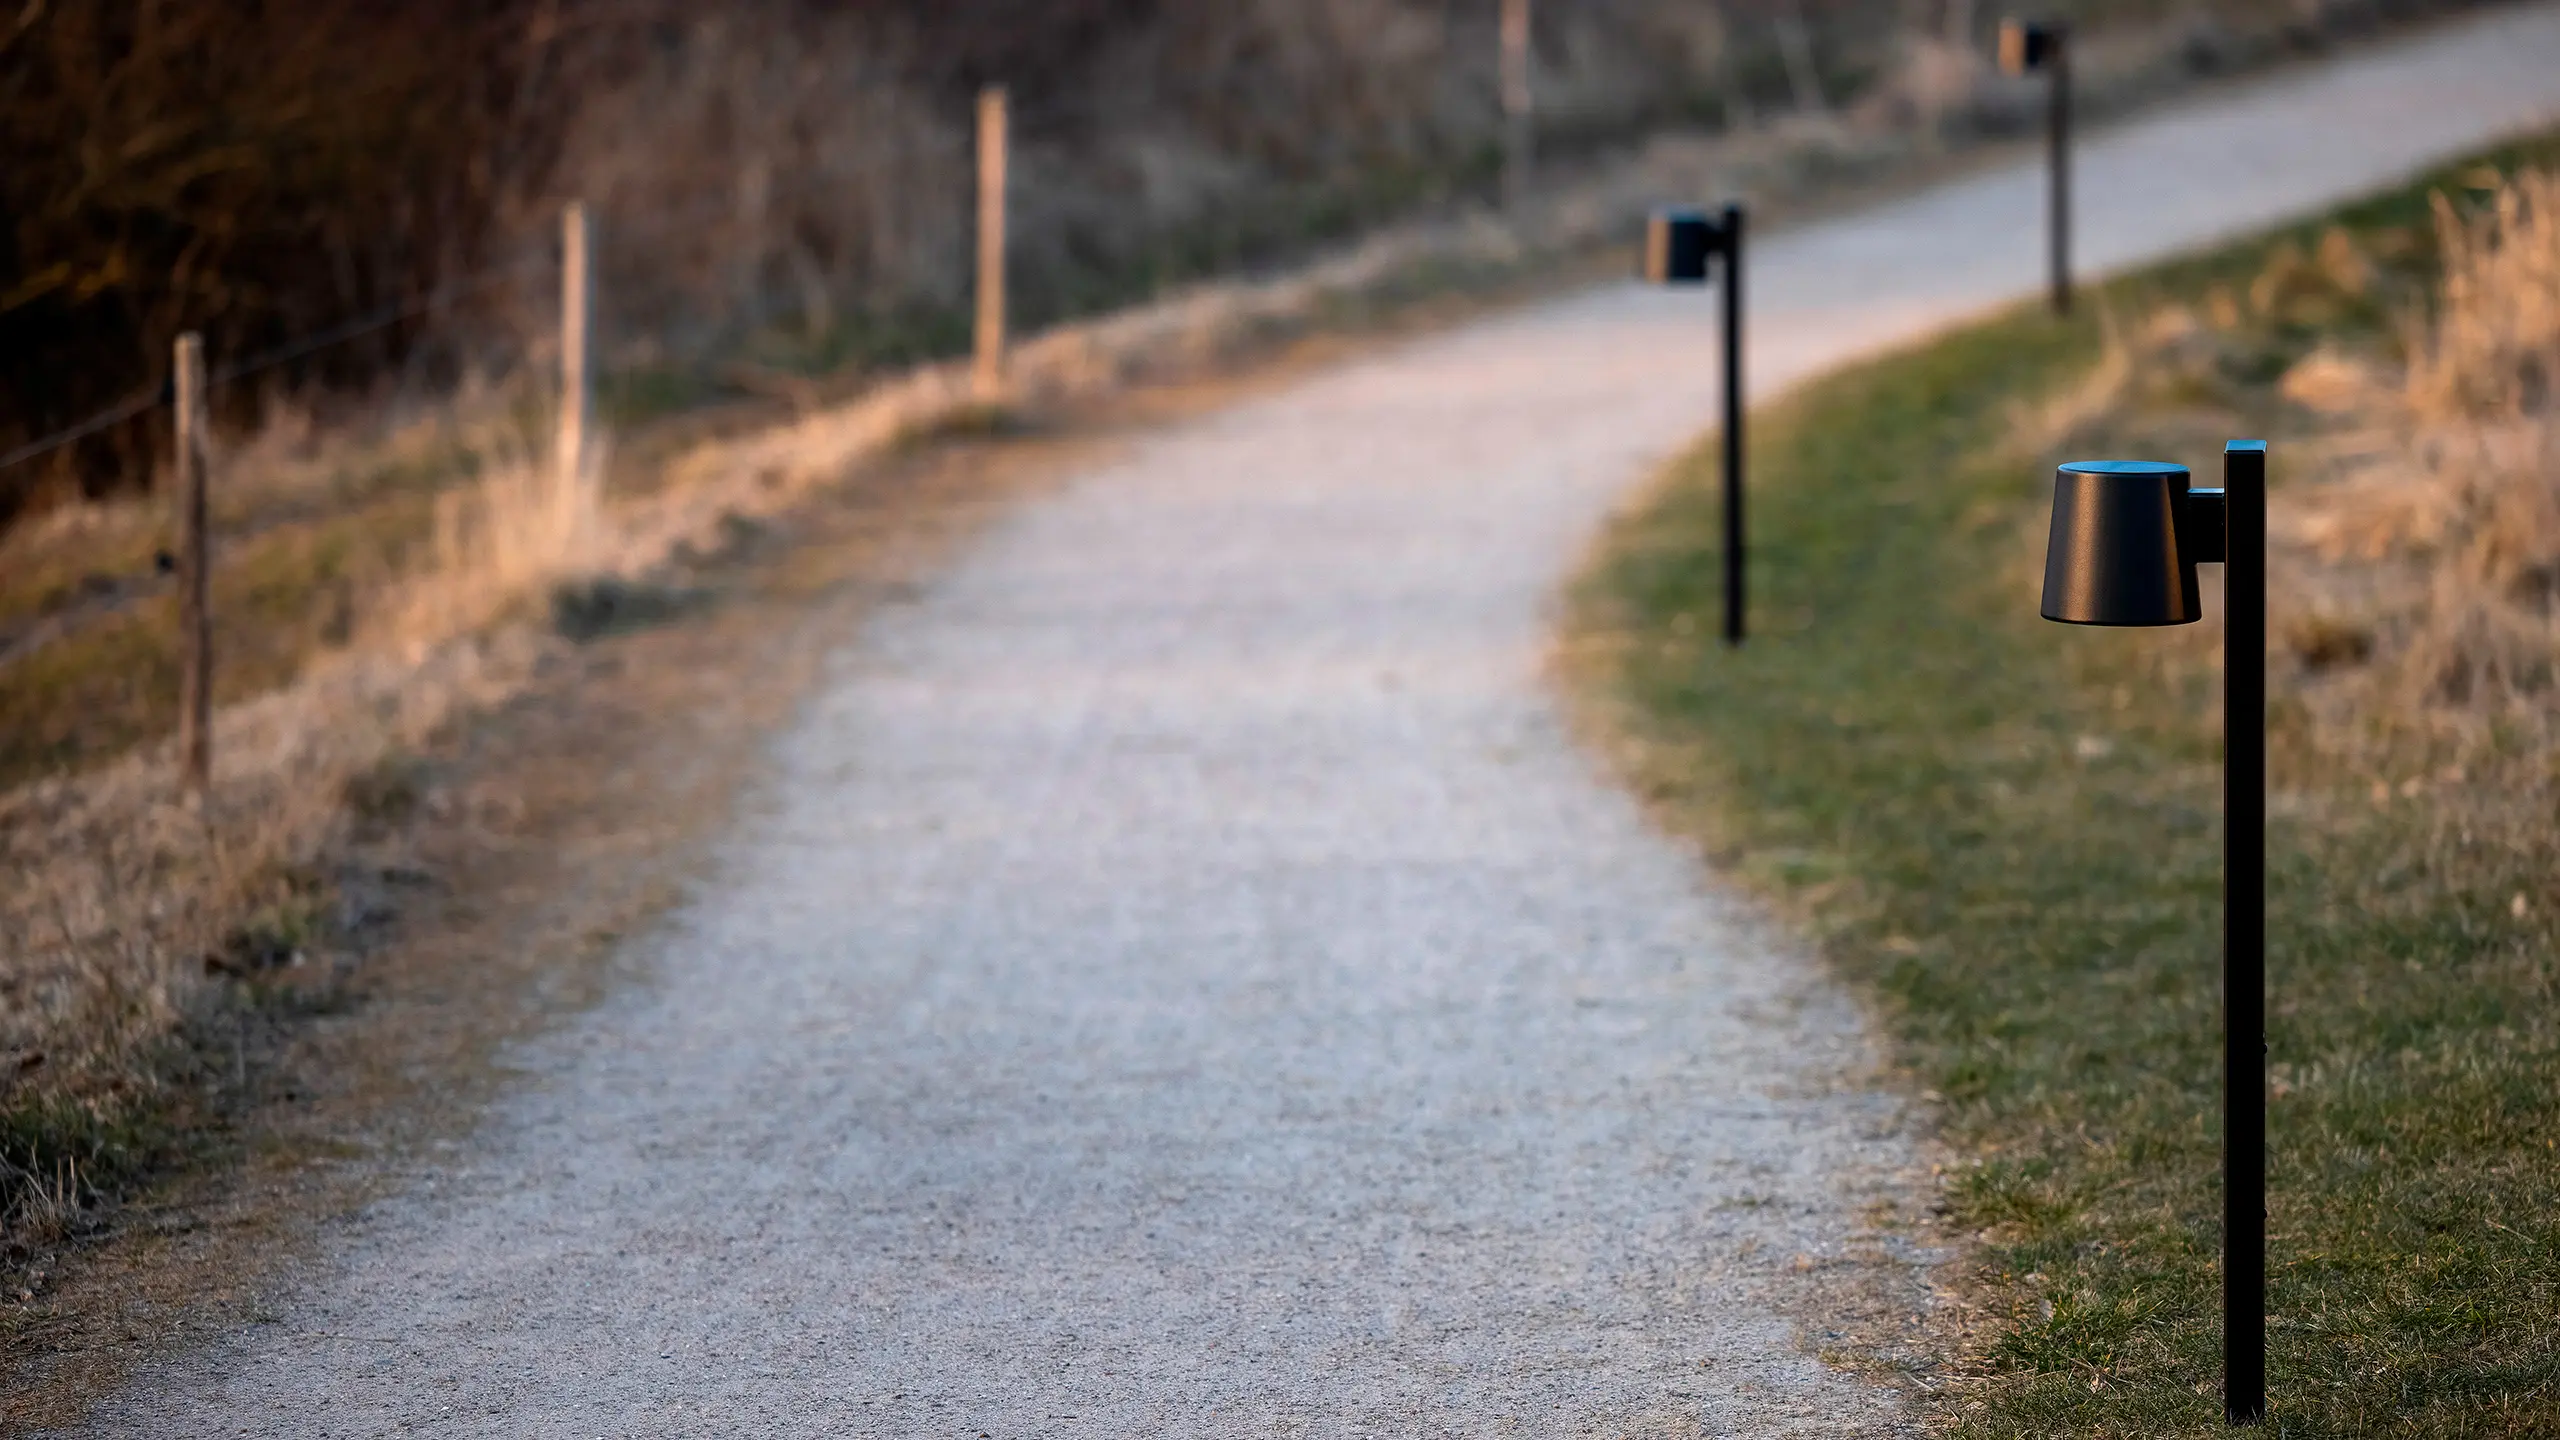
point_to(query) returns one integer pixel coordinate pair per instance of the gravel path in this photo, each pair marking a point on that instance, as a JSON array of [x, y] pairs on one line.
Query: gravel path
[[1181, 979]]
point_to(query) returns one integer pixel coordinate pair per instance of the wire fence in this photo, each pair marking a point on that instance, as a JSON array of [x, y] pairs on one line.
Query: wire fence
[[524, 533], [720, 227], [301, 348]]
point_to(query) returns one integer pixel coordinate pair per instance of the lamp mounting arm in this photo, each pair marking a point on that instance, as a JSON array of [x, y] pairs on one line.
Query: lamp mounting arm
[[1720, 238], [2204, 525]]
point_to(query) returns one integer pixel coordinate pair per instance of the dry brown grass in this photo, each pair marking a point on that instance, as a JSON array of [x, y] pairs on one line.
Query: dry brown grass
[[525, 526], [125, 916], [2408, 374], [2482, 397], [2425, 546]]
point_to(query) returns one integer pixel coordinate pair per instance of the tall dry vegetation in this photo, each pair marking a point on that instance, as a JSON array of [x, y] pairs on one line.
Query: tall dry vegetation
[[134, 930], [2410, 376], [254, 170], [2423, 553], [2483, 402]]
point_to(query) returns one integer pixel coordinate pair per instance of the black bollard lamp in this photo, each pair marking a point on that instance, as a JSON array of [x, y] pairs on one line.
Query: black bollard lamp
[[2127, 537], [1680, 247], [2046, 46]]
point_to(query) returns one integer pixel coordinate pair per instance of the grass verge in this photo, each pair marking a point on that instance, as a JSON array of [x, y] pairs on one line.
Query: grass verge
[[2008, 833]]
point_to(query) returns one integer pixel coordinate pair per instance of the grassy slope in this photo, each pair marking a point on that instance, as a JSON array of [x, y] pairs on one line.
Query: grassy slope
[[2008, 832]]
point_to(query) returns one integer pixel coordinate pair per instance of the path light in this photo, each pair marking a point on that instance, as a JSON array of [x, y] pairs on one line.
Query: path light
[[2127, 537], [2046, 45], [1679, 245]]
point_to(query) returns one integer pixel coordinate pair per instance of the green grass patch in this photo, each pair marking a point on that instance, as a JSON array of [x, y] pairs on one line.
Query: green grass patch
[[2008, 833]]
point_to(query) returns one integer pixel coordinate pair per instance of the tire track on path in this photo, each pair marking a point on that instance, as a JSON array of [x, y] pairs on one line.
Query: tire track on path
[[1181, 978]]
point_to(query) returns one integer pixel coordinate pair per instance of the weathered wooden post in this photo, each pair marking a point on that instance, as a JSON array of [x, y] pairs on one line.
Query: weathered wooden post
[[195, 579], [576, 387], [992, 139], [1519, 138]]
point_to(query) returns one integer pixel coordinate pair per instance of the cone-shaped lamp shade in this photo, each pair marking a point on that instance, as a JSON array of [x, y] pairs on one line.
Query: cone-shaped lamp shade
[[2115, 557], [1676, 246]]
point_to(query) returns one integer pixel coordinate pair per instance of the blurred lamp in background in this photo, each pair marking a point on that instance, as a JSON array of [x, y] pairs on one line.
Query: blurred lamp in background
[[1680, 247], [2046, 46], [2127, 537]]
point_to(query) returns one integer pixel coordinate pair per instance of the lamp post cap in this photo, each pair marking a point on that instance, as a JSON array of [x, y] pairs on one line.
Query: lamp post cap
[[2121, 467]]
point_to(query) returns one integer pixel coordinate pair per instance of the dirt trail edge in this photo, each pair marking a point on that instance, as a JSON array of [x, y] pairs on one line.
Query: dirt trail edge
[[1179, 977]]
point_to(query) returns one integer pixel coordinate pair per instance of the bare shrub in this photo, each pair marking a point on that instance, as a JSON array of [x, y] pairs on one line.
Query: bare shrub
[[256, 171], [752, 167]]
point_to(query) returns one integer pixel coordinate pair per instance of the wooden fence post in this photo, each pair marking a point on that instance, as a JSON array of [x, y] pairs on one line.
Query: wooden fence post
[[1519, 138], [992, 140], [577, 400], [195, 579]]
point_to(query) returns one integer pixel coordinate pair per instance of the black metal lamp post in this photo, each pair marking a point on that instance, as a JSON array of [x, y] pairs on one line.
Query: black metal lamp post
[[1678, 248], [2127, 537], [2046, 46]]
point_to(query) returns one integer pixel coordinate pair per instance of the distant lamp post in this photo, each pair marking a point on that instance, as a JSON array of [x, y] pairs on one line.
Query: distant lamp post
[[2127, 537], [2046, 46], [1679, 247]]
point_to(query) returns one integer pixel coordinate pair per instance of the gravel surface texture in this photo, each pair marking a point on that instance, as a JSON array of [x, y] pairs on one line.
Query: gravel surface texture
[[1180, 977]]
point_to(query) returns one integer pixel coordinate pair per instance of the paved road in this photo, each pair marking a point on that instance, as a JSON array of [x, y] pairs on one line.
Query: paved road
[[1182, 980]]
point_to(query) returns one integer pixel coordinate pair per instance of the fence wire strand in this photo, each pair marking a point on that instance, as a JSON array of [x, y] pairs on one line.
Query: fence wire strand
[[285, 354]]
